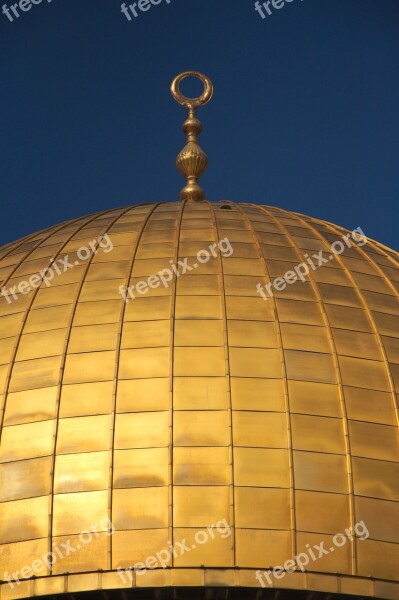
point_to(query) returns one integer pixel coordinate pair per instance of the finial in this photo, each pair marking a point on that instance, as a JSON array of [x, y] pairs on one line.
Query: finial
[[192, 161]]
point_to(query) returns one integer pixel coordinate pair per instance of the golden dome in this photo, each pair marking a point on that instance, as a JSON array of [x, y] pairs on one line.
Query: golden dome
[[267, 422]]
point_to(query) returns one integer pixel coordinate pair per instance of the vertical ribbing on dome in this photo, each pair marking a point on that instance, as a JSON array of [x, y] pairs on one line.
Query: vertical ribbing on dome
[[151, 210], [268, 279], [348, 453], [74, 306], [228, 384]]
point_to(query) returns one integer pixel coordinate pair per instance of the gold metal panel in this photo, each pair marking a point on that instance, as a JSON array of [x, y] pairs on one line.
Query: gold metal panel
[[86, 557], [199, 361], [140, 508], [201, 428], [320, 434], [145, 468], [71, 514], [93, 338], [198, 307], [81, 472], [297, 311], [357, 372], [200, 393], [146, 268], [198, 333], [130, 547], [313, 398], [387, 324], [77, 400], [142, 430], [38, 373], [147, 334], [44, 319], [255, 362], [6, 350], [118, 254], [380, 516], [338, 561], [257, 394], [259, 467], [376, 478], [249, 309], [201, 466], [95, 313], [348, 318], [200, 506], [354, 343], [320, 472], [262, 508], [30, 440], [42, 344], [14, 556], [144, 362], [243, 266], [83, 434], [378, 559], [391, 345], [215, 552], [25, 479], [260, 334], [30, 406], [305, 337], [372, 440], [24, 519], [198, 285], [369, 405], [143, 395], [148, 309], [259, 429], [322, 513], [262, 548], [53, 296], [90, 366], [156, 250], [310, 366], [382, 302], [241, 285], [95, 291]]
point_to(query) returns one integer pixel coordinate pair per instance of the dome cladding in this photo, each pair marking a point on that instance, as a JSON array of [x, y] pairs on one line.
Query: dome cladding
[[271, 423]]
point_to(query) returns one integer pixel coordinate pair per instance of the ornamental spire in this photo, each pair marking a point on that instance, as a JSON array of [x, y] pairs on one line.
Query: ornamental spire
[[192, 161]]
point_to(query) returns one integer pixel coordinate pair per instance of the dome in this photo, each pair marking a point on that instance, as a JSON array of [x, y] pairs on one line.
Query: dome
[[220, 406]]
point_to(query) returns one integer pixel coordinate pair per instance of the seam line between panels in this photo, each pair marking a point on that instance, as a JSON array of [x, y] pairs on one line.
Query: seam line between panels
[[117, 364], [285, 382], [343, 404], [171, 377], [62, 367], [228, 384]]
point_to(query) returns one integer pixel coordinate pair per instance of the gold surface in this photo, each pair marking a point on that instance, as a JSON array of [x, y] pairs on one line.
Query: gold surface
[[200, 402]]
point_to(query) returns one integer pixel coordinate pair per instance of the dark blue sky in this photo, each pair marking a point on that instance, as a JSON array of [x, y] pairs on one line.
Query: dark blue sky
[[305, 112]]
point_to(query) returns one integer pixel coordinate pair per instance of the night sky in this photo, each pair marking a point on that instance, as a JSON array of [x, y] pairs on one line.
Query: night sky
[[304, 116]]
